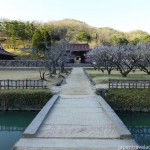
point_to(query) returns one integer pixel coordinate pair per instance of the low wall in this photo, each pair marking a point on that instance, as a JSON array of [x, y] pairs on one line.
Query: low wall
[[21, 63], [35, 63]]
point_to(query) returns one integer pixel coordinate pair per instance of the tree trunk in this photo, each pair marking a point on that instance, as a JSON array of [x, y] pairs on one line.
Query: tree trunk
[[124, 75], [148, 72], [54, 68], [50, 73], [109, 72], [62, 67], [122, 71], [145, 69], [42, 75]]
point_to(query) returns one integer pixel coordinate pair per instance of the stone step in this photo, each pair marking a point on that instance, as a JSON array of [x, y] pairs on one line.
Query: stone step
[[77, 131], [74, 144]]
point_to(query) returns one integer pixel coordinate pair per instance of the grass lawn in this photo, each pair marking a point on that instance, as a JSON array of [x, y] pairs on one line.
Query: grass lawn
[[19, 75], [22, 55], [18, 52], [31, 75], [100, 77]]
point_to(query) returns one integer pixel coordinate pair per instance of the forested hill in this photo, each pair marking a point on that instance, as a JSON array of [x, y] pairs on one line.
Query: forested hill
[[73, 30]]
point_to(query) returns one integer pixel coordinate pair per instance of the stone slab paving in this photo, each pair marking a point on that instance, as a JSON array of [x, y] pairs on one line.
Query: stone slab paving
[[74, 144], [101, 86], [77, 121], [77, 84]]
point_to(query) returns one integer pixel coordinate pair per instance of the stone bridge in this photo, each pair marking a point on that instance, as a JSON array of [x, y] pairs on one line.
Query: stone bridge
[[76, 119]]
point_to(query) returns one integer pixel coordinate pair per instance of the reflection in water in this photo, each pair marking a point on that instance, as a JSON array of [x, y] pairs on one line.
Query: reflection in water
[[10, 128], [141, 134], [12, 125], [139, 126]]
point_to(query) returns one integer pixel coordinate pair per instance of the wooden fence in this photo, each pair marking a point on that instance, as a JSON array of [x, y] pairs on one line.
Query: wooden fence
[[21, 84], [114, 83]]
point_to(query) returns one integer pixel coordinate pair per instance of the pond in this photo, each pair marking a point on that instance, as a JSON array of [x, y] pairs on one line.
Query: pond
[[12, 125], [139, 126]]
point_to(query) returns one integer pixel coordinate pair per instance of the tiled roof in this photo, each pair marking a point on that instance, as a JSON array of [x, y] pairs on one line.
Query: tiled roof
[[3, 52], [80, 47]]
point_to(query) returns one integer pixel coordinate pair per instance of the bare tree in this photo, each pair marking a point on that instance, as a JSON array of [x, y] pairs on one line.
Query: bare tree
[[143, 53], [124, 58], [48, 66], [42, 74], [121, 56], [57, 54], [102, 58]]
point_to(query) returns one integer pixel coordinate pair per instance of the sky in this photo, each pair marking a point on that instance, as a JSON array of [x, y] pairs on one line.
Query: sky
[[122, 15]]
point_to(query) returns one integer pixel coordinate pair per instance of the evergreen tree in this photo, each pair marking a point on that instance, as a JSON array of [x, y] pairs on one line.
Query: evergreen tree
[[118, 40], [39, 39], [83, 37]]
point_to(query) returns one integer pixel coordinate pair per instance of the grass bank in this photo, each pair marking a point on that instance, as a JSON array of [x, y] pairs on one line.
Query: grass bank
[[100, 77], [127, 99], [26, 99]]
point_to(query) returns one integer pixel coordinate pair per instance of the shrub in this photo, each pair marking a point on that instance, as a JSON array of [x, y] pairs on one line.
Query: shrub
[[127, 99], [25, 99]]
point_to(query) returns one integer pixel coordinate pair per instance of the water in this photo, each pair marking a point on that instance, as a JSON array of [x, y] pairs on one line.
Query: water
[[139, 126], [12, 125]]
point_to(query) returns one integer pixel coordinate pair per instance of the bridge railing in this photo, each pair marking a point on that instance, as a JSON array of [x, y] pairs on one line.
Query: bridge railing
[[114, 83]]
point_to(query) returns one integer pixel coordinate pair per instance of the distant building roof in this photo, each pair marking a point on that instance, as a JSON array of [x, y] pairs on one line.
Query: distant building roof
[[3, 52], [6, 55], [80, 47]]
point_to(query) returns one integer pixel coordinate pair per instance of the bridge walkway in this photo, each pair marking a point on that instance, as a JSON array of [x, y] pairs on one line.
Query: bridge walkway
[[78, 120]]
